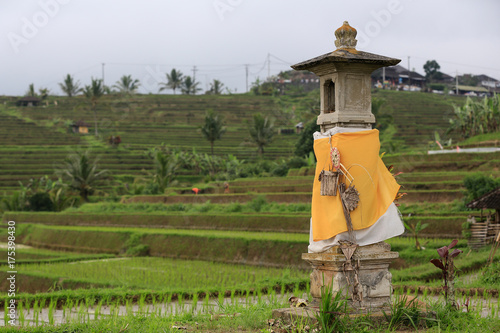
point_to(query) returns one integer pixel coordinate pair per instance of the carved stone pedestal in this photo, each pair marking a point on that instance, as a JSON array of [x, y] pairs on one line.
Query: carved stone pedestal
[[374, 275]]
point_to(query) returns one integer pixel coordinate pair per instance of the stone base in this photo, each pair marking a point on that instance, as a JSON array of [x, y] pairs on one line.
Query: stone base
[[374, 275], [304, 315], [307, 315]]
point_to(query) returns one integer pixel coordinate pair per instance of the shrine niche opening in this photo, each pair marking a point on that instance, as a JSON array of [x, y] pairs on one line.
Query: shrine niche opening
[[329, 90]]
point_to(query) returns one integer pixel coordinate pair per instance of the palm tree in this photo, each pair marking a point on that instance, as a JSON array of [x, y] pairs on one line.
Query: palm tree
[[126, 85], [189, 86], [213, 128], [44, 93], [261, 132], [93, 93], [166, 163], [69, 87], [174, 80], [216, 87], [31, 90], [80, 170]]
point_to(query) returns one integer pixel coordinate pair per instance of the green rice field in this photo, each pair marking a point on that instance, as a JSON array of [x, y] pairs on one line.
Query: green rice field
[[215, 261], [164, 274]]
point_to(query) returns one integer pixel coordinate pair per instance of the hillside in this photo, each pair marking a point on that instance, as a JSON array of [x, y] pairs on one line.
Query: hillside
[[34, 140], [417, 116]]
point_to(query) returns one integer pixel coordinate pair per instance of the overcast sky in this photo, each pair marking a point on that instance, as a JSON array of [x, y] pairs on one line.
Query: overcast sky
[[42, 41]]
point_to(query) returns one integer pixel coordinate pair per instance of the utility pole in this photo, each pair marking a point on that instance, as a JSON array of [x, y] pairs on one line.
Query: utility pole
[[194, 73], [409, 80], [268, 65], [456, 82], [246, 76], [383, 77], [194, 77], [103, 74]]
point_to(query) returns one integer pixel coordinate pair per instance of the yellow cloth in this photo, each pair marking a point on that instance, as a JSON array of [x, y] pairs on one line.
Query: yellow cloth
[[359, 153]]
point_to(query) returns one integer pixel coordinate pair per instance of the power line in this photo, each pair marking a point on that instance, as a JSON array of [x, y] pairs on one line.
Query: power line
[[226, 71], [261, 69], [455, 63], [283, 61]]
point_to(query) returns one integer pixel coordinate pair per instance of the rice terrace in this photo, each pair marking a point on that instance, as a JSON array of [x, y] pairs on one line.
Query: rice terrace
[[206, 210]]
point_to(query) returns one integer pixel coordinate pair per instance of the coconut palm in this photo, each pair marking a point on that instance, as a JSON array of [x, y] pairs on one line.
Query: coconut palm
[[126, 85], [69, 87], [81, 171], [261, 132], [166, 163], [213, 128], [174, 80], [216, 87], [93, 93], [31, 90], [189, 86], [44, 93]]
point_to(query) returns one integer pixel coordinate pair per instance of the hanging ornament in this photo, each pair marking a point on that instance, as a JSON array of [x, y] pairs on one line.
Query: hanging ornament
[[328, 181], [351, 198], [335, 156]]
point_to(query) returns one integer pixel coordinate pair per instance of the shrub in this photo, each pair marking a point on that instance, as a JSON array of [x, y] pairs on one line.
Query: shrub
[[14, 203], [151, 188], [234, 207], [258, 203], [478, 184], [41, 202], [297, 163], [140, 250], [306, 141], [491, 274], [134, 247], [436, 86], [281, 169]]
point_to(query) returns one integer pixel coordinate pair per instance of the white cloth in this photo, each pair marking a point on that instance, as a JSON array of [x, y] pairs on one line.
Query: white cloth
[[387, 226]]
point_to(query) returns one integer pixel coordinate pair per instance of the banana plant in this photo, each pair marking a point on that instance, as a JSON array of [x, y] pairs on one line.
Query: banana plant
[[415, 230]]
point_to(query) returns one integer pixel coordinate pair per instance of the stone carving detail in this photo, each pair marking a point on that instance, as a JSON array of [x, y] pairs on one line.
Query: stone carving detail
[[346, 37]]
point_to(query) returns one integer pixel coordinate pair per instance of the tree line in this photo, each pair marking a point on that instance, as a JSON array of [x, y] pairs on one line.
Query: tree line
[[175, 80]]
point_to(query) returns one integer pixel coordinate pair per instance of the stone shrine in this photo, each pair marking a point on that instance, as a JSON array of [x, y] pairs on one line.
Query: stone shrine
[[357, 268], [345, 82]]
